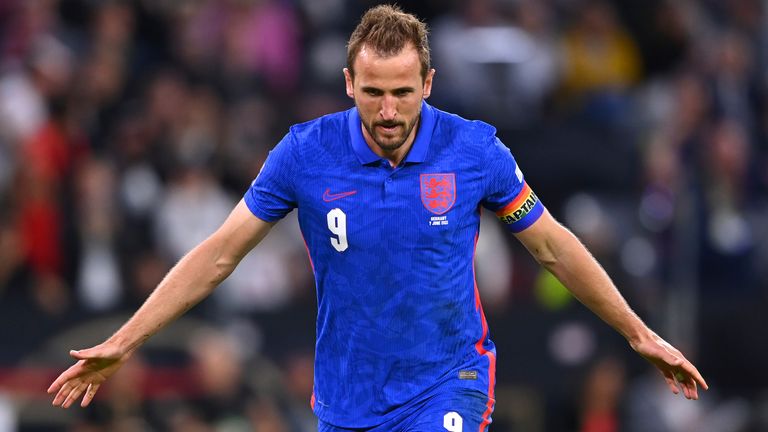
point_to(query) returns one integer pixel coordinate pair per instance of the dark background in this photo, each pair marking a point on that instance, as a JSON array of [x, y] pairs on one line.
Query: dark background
[[128, 130]]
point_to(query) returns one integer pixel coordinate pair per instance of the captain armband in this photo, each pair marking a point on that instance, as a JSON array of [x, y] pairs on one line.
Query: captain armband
[[522, 212]]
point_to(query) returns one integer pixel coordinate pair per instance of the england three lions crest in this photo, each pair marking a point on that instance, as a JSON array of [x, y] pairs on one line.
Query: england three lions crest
[[438, 192]]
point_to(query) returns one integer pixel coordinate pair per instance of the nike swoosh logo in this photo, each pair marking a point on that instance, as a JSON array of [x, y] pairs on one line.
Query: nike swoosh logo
[[328, 196]]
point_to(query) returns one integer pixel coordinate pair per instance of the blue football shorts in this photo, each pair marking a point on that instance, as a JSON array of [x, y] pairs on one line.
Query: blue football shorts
[[450, 411]]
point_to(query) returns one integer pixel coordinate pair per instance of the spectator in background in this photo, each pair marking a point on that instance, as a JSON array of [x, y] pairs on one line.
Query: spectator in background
[[667, 41], [225, 390], [98, 282], [600, 64], [192, 208], [736, 96], [496, 61], [106, 50], [601, 399], [252, 46], [727, 250]]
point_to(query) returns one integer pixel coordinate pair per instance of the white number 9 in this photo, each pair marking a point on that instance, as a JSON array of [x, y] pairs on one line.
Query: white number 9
[[337, 223], [453, 422]]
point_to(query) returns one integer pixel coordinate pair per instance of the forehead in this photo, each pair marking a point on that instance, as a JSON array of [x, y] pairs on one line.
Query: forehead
[[374, 70]]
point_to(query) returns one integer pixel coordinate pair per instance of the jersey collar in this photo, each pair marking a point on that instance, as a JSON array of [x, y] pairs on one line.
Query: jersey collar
[[418, 152]]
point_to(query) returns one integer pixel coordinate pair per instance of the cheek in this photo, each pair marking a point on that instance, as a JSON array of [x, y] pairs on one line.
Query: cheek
[[411, 110], [366, 108], [412, 104], [366, 114]]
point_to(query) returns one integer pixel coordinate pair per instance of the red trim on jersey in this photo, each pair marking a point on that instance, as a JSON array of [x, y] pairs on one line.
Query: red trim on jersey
[[491, 400], [306, 246], [517, 202], [481, 349], [311, 264]]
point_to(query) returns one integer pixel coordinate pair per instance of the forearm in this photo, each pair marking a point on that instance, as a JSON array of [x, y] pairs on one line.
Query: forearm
[[191, 280], [194, 277], [575, 267], [188, 282], [557, 249]]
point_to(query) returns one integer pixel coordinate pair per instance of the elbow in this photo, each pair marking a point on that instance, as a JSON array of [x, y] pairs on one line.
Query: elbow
[[222, 269], [545, 255], [215, 262], [547, 260]]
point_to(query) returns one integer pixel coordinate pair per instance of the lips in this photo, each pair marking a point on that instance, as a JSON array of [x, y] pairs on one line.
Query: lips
[[388, 128]]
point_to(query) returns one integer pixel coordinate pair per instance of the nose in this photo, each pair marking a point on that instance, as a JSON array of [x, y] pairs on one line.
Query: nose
[[388, 108]]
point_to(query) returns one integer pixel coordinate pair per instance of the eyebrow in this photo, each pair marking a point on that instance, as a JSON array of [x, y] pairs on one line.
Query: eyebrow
[[397, 90]]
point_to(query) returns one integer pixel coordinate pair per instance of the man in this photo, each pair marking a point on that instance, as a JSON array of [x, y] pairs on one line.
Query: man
[[389, 196]]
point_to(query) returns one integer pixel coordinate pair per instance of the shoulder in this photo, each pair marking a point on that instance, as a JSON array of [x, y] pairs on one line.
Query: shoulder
[[456, 124], [321, 139], [467, 133], [327, 126]]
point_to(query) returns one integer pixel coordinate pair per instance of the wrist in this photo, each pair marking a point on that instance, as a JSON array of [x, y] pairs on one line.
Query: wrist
[[121, 345], [639, 336]]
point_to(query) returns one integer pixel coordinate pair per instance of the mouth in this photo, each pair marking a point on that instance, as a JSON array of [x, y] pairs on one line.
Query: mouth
[[390, 129]]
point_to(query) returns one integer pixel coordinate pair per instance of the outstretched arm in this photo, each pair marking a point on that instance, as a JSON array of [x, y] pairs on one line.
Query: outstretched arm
[[192, 279], [565, 256]]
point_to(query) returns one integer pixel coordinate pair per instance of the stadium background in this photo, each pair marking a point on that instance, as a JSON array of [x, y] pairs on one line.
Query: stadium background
[[129, 129]]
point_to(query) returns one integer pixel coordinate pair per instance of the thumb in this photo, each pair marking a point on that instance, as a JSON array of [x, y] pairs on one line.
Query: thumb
[[88, 353]]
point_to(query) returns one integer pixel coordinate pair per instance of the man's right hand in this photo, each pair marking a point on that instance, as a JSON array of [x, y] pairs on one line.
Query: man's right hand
[[94, 366], [192, 279]]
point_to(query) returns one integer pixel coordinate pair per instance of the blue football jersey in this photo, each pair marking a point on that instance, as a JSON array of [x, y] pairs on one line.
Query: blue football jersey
[[392, 249]]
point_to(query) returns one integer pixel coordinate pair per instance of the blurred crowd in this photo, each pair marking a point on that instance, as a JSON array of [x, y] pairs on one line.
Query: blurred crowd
[[129, 129]]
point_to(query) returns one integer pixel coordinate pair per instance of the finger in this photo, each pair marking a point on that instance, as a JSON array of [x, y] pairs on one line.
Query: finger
[[690, 388], [66, 376], [670, 382], [89, 394], [690, 385], [62, 394], [67, 395], [679, 381], [690, 377], [693, 390], [57, 384], [695, 375], [686, 391], [74, 394]]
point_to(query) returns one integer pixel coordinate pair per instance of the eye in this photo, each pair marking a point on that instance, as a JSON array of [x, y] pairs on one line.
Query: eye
[[403, 92], [373, 92]]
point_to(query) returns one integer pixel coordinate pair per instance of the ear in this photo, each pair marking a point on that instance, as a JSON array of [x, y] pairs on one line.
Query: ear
[[428, 83], [349, 84]]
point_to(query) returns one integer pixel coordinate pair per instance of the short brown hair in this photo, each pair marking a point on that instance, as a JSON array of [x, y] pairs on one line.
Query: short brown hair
[[387, 30]]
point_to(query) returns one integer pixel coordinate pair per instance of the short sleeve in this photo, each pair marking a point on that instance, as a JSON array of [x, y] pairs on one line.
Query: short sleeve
[[507, 193], [272, 195]]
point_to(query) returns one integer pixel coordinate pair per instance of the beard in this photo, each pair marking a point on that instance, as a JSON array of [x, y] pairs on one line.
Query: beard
[[390, 141]]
